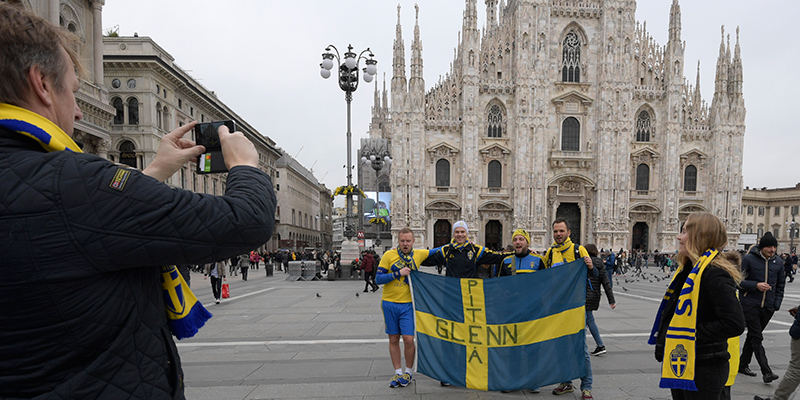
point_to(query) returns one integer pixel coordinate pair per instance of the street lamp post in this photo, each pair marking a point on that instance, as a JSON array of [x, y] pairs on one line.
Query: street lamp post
[[348, 82], [792, 230]]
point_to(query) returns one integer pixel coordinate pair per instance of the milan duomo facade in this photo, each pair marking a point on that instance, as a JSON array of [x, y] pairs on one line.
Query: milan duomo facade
[[562, 108]]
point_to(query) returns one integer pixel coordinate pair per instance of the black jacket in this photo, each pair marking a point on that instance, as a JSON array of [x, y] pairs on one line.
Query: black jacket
[[463, 263], [719, 315], [758, 269], [593, 286], [81, 312]]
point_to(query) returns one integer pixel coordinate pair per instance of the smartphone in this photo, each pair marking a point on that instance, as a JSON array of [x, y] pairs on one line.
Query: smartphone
[[206, 134]]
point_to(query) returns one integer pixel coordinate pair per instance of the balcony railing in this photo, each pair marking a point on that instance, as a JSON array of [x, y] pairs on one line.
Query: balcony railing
[[443, 191], [494, 192]]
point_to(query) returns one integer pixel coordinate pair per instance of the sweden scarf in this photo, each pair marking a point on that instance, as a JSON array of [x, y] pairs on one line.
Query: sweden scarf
[[678, 365], [185, 315], [454, 245]]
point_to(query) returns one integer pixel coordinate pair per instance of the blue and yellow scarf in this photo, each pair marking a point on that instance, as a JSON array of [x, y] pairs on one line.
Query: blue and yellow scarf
[[454, 245], [36, 127], [678, 365], [185, 315]]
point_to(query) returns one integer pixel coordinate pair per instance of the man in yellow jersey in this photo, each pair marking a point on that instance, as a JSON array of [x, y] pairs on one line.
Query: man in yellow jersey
[[563, 251], [398, 312]]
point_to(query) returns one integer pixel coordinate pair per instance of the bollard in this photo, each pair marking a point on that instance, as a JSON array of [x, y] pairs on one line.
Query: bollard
[[268, 268]]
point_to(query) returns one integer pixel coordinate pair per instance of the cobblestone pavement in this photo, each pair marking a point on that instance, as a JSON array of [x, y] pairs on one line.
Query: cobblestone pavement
[[278, 339]]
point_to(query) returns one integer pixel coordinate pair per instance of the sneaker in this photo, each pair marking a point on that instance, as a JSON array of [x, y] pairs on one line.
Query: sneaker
[[444, 384], [599, 350], [217, 301], [537, 390], [563, 388], [587, 394], [404, 379], [395, 382]]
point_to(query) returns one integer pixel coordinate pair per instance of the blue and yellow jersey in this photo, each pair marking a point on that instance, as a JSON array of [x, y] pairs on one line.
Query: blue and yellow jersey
[[529, 263], [395, 286]]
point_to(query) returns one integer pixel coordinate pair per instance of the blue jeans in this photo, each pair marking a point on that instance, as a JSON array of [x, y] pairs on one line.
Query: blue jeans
[[586, 381], [593, 328]]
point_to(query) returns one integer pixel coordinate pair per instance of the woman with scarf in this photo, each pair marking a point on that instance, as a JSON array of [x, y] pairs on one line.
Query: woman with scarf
[[699, 314]]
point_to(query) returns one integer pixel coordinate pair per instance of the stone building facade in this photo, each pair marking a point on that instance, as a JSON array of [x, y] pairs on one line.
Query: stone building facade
[[84, 18], [150, 96], [562, 109], [772, 210], [300, 206]]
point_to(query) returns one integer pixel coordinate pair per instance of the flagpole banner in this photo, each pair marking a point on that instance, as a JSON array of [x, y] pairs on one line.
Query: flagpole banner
[[510, 333]]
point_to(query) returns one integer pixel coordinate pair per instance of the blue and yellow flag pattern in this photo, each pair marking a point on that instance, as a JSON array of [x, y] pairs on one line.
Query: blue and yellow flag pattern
[[509, 333], [185, 314]]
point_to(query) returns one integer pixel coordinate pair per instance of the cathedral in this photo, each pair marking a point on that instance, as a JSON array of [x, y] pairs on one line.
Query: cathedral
[[562, 109]]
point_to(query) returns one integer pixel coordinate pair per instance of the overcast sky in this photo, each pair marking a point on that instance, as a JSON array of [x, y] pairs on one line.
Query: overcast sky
[[262, 59]]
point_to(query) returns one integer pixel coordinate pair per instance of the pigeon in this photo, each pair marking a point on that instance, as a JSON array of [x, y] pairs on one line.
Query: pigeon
[[357, 295], [319, 295], [624, 288]]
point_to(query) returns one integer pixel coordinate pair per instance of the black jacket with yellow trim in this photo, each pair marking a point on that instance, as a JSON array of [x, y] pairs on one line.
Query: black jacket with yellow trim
[[463, 263], [82, 313]]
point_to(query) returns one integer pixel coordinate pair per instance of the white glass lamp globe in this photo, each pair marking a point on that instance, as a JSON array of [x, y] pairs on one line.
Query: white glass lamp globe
[[350, 62], [327, 63], [325, 73]]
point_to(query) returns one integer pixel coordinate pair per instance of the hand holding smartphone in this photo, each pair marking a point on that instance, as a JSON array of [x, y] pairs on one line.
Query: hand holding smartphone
[[207, 135]]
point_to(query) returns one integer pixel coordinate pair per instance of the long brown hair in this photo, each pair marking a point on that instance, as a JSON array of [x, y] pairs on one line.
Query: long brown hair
[[705, 231]]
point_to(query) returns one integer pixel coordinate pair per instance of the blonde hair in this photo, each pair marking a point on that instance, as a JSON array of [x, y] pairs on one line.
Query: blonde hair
[[705, 231]]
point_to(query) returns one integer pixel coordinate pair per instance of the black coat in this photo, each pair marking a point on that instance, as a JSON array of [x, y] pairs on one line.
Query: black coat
[[82, 313], [593, 287], [463, 263], [719, 315], [758, 269]]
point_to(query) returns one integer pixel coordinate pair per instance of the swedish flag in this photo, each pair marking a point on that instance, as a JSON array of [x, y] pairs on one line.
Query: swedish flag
[[510, 333]]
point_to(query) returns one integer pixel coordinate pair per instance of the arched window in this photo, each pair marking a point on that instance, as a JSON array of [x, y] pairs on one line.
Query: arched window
[[133, 111], [643, 127], [119, 118], [643, 177], [760, 211], [690, 179], [165, 113], [158, 115], [571, 135], [749, 210], [127, 153], [495, 123], [495, 174], [571, 58], [443, 173]]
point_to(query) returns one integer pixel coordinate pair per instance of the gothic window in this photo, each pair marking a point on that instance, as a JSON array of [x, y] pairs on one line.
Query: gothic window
[[158, 115], [643, 177], [690, 179], [443, 173], [760, 211], [133, 111], [495, 123], [643, 127], [119, 119], [495, 174], [571, 58], [571, 135]]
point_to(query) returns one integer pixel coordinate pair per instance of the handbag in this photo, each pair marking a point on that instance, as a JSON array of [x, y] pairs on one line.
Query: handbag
[[226, 291]]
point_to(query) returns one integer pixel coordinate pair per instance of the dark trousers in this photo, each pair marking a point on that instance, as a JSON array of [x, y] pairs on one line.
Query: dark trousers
[[369, 279], [756, 319], [710, 380], [216, 287], [244, 273]]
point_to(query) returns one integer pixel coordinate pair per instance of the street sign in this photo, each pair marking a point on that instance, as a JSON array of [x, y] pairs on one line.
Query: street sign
[[360, 235]]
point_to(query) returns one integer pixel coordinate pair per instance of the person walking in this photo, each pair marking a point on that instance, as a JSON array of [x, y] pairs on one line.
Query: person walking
[[791, 379], [593, 298], [693, 345], [368, 268], [611, 261], [761, 295], [242, 264], [563, 251], [216, 270]]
